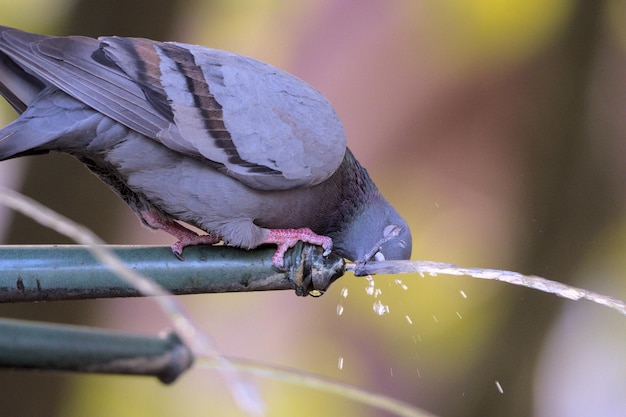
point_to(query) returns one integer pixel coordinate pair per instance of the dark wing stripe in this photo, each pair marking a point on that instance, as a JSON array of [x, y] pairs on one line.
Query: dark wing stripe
[[208, 107], [145, 71], [206, 104]]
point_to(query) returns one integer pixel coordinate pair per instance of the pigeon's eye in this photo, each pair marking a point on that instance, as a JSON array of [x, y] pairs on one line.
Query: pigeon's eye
[[391, 231]]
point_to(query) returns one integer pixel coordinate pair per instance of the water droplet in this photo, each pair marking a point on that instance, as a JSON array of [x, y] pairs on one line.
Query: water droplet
[[339, 309], [370, 285], [340, 362], [380, 308], [401, 284], [408, 319], [344, 292], [499, 387]]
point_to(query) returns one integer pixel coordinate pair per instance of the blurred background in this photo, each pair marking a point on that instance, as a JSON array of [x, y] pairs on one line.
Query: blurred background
[[495, 127]]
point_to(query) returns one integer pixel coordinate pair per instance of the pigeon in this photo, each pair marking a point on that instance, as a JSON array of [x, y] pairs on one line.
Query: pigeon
[[189, 135]]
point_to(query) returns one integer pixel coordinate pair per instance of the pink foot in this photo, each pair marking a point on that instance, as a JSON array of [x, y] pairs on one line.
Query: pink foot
[[185, 236], [191, 239], [287, 238]]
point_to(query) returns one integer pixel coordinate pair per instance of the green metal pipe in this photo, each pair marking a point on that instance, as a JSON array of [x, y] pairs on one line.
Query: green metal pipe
[[39, 346], [47, 273]]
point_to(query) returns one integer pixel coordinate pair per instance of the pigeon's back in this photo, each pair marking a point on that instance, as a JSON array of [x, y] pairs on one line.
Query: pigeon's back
[[252, 121]]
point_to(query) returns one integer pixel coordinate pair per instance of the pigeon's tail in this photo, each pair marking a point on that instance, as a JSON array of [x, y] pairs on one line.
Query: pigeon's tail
[[19, 89], [39, 124], [13, 143], [50, 117]]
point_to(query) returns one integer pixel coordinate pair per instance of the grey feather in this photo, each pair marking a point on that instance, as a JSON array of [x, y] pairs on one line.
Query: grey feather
[[226, 143]]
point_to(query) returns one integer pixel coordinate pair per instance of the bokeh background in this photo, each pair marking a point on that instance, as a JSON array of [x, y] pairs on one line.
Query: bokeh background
[[496, 127]]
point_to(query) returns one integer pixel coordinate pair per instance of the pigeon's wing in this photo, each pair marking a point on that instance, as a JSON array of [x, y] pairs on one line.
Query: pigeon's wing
[[252, 121], [262, 125]]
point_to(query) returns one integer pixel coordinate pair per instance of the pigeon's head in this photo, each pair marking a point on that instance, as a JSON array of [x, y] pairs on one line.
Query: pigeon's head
[[377, 233]]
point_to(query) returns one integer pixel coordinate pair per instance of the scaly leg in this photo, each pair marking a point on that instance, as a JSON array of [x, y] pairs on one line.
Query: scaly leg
[[287, 238], [185, 236]]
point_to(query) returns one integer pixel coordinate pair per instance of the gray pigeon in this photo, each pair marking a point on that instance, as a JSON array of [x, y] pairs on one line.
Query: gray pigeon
[[240, 149]]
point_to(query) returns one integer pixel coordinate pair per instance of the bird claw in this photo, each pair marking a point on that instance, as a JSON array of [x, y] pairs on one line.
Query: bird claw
[[287, 238], [278, 259], [191, 239], [177, 250], [186, 237]]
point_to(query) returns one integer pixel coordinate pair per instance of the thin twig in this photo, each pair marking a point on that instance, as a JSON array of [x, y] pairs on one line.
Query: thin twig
[[307, 380]]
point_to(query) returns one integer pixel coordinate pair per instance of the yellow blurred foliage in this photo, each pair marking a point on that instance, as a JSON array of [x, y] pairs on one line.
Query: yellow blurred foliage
[[616, 12], [33, 15], [488, 32]]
